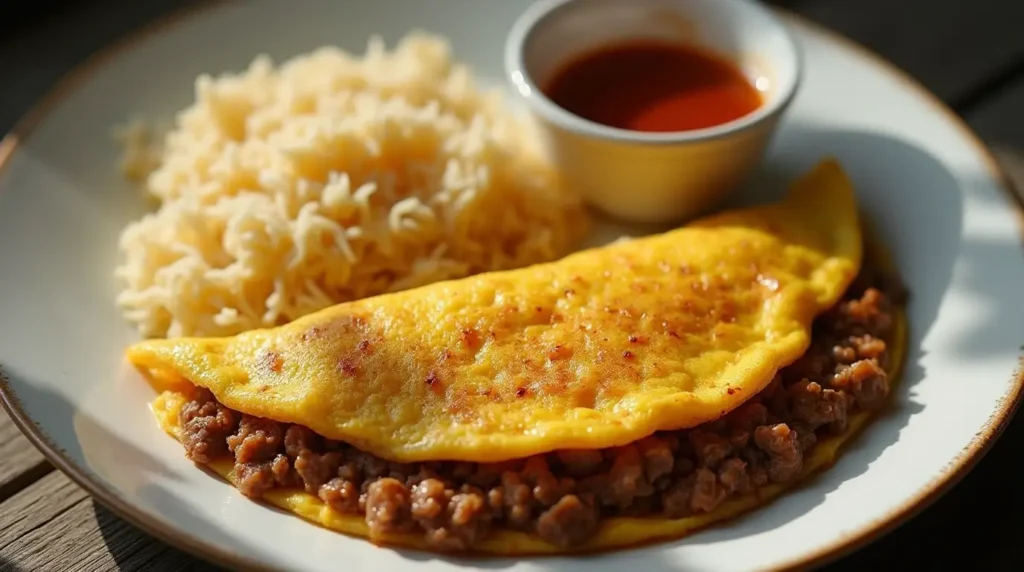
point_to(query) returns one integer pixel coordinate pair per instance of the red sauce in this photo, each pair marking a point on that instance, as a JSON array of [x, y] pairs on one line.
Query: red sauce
[[654, 87]]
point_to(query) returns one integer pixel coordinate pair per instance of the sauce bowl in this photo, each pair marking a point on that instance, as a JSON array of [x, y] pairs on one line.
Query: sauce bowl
[[642, 176]]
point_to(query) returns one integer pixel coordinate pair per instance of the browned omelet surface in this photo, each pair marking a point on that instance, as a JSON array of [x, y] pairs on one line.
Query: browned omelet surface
[[596, 350], [614, 533]]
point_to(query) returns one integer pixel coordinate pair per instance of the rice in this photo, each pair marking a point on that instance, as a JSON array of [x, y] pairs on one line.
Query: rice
[[332, 177]]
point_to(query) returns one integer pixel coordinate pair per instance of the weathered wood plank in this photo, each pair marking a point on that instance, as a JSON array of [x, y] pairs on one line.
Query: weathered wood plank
[[36, 506], [950, 45], [20, 462], [54, 526]]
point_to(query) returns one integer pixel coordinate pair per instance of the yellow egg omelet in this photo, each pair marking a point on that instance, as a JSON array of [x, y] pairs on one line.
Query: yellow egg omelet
[[619, 532], [596, 350]]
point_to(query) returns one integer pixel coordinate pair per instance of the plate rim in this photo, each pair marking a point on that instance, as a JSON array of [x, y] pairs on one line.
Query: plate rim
[[849, 542]]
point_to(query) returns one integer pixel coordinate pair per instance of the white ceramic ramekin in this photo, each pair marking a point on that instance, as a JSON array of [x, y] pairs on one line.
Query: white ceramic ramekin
[[653, 177]]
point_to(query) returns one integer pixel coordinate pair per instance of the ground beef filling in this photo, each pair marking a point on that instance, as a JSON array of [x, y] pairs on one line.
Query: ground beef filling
[[563, 496]]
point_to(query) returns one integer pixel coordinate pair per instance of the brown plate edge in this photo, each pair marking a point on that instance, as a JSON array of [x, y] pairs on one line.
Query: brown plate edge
[[955, 471]]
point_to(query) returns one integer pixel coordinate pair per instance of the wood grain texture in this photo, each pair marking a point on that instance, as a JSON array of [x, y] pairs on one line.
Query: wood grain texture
[[53, 526], [20, 462], [951, 46]]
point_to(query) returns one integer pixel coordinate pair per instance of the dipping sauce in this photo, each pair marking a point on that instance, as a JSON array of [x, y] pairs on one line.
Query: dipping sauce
[[654, 87]]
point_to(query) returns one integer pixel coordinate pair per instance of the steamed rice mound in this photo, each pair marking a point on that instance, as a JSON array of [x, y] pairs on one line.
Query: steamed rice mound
[[285, 190]]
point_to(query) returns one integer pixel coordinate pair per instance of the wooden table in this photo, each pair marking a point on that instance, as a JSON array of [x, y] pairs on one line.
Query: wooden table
[[971, 54]]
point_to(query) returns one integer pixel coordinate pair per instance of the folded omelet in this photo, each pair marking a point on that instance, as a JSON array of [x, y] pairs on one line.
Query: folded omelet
[[624, 393]]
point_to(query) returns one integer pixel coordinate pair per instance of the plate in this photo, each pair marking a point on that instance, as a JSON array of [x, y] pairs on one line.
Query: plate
[[933, 192]]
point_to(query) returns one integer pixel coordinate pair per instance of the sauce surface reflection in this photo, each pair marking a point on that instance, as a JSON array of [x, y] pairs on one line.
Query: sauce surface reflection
[[653, 87]]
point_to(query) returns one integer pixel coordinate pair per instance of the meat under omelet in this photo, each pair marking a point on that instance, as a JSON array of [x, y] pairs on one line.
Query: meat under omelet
[[632, 392]]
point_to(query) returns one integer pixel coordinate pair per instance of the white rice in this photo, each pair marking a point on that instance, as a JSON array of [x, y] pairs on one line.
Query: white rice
[[332, 177]]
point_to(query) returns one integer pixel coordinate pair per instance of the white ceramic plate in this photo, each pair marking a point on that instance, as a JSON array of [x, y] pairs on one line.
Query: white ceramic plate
[[934, 192]]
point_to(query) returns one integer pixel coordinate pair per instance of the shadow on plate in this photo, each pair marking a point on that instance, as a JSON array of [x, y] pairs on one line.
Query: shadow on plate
[[986, 498], [982, 339]]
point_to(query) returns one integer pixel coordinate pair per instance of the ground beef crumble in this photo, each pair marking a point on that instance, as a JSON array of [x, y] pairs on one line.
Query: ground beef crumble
[[563, 496]]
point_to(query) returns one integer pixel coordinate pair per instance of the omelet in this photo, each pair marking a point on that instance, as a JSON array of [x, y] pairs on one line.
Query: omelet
[[596, 350], [614, 532], [625, 393]]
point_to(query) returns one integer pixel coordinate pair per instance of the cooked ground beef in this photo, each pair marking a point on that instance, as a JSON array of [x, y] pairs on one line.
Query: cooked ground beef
[[562, 496], [206, 427]]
